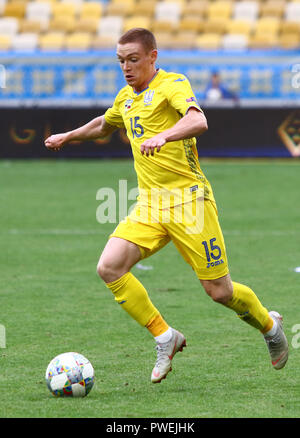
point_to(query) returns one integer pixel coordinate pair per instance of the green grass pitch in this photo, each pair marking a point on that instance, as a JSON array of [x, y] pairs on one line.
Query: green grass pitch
[[52, 300]]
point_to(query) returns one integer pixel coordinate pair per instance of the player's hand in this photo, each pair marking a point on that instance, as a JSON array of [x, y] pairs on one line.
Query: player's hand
[[55, 142], [148, 146]]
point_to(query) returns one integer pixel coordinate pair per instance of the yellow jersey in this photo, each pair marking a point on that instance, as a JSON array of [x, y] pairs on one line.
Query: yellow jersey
[[175, 169]]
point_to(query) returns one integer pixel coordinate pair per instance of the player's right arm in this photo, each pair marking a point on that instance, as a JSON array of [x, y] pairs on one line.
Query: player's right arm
[[96, 128]]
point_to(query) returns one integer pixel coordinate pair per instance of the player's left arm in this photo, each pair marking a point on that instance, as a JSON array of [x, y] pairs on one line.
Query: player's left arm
[[193, 124]]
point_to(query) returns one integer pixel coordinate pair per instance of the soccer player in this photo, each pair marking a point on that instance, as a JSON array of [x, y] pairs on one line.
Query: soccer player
[[176, 202]]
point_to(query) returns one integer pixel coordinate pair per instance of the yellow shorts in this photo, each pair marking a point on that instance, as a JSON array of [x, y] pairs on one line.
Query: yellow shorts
[[200, 243]]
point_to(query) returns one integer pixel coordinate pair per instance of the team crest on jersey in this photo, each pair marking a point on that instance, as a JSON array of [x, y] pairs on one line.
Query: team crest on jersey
[[128, 104], [148, 97]]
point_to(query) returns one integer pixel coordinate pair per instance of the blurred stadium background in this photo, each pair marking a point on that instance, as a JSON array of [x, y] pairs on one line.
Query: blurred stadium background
[[58, 54]]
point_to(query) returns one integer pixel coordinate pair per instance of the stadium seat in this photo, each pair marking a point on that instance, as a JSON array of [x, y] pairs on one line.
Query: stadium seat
[[267, 25], [137, 21], [87, 24], [219, 9], [9, 25], [120, 7], [292, 11], [14, 8], [63, 9], [265, 34], [182, 24], [263, 41], [52, 41], [272, 8], [289, 41], [183, 40], [78, 41], [211, 41], [25, 41], [235, 41], [91, 10], [239, 27], [167, 11], [39, 11], [77, 3], [180, 2], [145, 8], [289, 27], [246, 10], [164, 39], [111, 26], [2, 6], [63, 23], [192, 23], [5, 42], [45, 1], [216, 25], [195, 8], [110, 2], [103, 42], [163, 26], [30, 26]]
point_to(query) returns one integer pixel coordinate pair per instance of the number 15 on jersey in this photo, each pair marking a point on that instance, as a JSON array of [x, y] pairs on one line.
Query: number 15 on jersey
[[136, 128]]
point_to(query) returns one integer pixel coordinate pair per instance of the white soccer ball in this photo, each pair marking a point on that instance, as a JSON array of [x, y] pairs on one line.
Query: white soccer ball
[[70, 374]]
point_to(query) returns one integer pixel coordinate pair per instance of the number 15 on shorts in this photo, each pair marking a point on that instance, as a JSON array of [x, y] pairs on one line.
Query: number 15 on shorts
[[213, 253]]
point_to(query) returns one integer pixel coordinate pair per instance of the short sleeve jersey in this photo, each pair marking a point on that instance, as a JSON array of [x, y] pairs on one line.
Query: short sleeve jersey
[[160, 106]]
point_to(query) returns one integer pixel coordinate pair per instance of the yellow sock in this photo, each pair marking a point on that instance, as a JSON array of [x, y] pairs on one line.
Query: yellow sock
[[157, 326], [133, 297], [248, 307], [268, 326]]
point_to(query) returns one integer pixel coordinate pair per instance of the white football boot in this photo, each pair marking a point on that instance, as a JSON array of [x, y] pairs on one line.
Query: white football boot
[[165, 354], [277, 344]]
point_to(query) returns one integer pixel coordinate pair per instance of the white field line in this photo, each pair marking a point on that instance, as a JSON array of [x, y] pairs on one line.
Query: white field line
[[54, 232], [261, 233]]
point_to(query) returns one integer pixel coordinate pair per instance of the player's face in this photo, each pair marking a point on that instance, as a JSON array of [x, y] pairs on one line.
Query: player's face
[[137, 65]]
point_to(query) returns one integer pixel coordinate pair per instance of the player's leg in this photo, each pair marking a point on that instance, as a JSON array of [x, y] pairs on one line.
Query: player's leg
[[247, 306], [120, 254], [241, 299], [115, 263], [206, 253], [117, 259]]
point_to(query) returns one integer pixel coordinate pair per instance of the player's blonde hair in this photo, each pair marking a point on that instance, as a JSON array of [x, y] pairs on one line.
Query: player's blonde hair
[[140, 35]]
